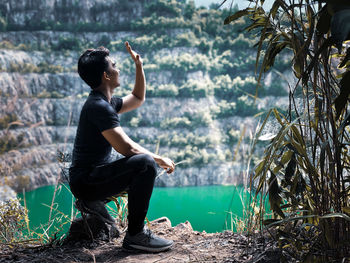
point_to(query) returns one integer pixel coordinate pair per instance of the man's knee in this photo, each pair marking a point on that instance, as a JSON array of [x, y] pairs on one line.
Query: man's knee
[[148, 163]]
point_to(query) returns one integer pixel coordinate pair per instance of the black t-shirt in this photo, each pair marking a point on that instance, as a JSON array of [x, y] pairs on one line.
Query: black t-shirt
[[97, 115]]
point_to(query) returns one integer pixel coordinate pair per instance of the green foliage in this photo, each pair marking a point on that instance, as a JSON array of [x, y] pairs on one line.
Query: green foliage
[[177, 122], [196, 89], [188, 120], [189, 9], [163, 8], [13, 218], [8, 120], [52, 94], [224, 109], [8, 45], [181, 140], [231, 89], [9, 142], [42, 67], [69, 43], [305, 167], [185, 62], [166, 90], [246, 106], [153, 23]]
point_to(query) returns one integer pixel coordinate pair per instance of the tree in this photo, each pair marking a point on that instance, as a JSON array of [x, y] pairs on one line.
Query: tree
[[306, 168]]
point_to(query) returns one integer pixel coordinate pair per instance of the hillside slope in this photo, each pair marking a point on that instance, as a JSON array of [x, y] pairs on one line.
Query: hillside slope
[[198, 74]]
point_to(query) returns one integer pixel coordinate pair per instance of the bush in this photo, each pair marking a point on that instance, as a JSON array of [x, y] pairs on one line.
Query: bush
[[195, 88], [163, 8], [184, 63], [7, 45], [68, 43], [195, 156], [166, 90], [176, 122], [199, 119], [189, 9], [7, 120], [224, 109], [229, 89], [42, 67], [175, 139], [246, 106], [153, 23], [105, 41], [9, 142], [13, 218]]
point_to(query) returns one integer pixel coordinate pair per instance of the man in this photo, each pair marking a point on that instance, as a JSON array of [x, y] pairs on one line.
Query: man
[[93, 176]]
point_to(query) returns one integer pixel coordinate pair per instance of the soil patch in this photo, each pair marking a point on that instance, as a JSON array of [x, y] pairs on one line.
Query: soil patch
[[190, 246]]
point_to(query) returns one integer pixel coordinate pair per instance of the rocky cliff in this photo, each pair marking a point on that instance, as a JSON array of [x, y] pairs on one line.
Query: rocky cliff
[[41, 96]]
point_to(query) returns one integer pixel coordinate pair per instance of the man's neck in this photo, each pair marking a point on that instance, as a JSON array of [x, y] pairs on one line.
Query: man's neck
[[105, 91]]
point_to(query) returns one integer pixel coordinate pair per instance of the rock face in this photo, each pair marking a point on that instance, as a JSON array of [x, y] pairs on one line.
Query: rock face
[[41, 96], [70, 11], [48, 105]]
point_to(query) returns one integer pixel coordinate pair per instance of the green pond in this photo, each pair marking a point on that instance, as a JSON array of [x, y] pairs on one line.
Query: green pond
[[208, 208]]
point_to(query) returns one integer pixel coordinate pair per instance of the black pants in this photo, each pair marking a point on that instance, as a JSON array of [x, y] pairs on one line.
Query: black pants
[[136, 174]]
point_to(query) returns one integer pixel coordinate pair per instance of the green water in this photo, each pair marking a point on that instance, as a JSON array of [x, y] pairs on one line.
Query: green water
[[206, 207]]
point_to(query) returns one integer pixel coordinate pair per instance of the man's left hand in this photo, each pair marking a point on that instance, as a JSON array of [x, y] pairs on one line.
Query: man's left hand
[[135, 57]]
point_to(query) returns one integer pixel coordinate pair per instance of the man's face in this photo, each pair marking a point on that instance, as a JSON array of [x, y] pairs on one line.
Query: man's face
[[113, 72]]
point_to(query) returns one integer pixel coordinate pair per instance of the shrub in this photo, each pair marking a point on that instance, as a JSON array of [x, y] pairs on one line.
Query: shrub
[[7, 45], [163, 7], [246, 106], [177, 122], [196, 88], [166, 90], [232, 89], [68, 43], [175, 139], [9, 142], [184, 62], [42, 67], [13, 218], [224, 109], [7, 120], [105, 41], [189, 9], [233, 136]]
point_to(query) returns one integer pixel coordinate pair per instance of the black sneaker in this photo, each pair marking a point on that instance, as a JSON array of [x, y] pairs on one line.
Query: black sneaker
[[96, 208], [146, 241]]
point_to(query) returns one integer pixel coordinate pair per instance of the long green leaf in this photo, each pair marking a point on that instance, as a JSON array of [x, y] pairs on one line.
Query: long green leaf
[[237, 15], [341, 101]]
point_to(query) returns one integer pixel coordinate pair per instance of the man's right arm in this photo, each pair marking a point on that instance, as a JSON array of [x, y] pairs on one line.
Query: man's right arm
[[123, 144]]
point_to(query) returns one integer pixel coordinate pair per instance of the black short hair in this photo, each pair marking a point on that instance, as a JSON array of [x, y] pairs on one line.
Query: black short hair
[[91, 65]]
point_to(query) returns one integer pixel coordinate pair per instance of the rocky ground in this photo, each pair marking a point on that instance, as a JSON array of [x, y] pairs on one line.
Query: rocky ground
[[190, 246]]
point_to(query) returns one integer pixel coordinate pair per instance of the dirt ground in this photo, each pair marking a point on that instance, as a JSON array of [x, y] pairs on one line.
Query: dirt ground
[[190, 246]]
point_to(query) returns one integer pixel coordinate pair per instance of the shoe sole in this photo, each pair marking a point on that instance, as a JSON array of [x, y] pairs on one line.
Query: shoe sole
[[84, 209], [137, 248]]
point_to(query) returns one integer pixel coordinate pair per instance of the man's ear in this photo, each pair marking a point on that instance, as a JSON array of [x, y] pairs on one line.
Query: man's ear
[[105, 75]]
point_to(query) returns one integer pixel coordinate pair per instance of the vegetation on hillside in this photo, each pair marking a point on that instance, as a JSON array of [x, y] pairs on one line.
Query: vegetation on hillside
[[175, 39], [306, 167]]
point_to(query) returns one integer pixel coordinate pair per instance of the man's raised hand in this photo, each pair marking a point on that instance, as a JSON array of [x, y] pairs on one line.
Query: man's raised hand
[[135, 57]]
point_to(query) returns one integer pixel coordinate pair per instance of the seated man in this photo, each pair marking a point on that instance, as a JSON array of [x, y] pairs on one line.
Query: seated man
[[93, 176]]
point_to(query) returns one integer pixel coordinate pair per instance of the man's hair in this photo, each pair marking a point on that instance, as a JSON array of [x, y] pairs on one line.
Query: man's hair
[[91, 65]]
